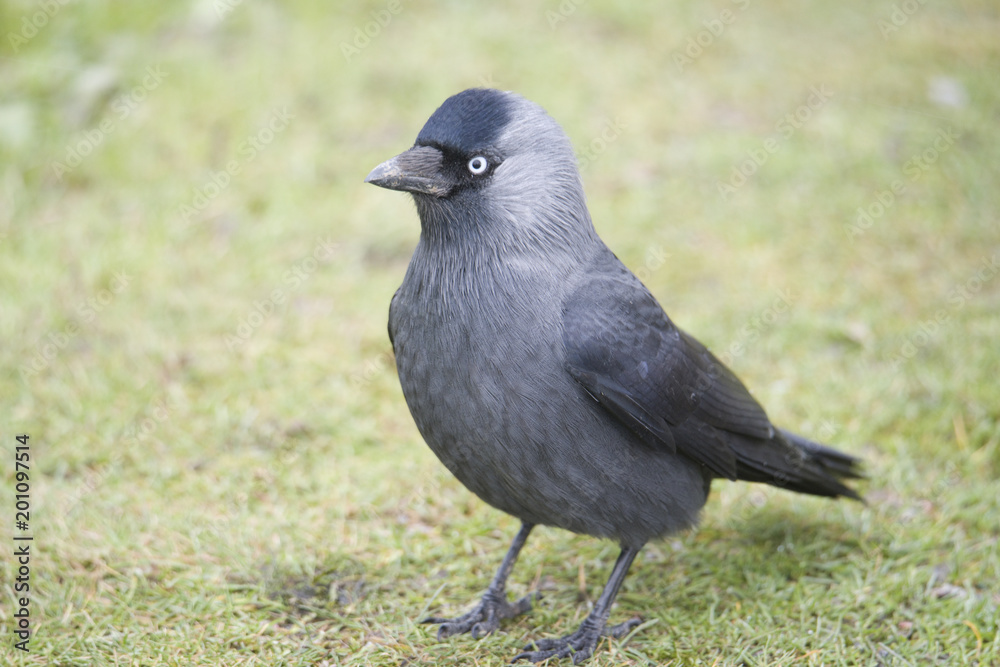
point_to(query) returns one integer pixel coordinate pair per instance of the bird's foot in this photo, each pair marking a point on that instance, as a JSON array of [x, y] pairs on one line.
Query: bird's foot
[[485, 617], [579, 646]]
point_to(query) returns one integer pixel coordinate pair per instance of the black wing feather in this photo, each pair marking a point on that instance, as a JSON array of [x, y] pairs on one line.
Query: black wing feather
[[624, 350], [669, 389]]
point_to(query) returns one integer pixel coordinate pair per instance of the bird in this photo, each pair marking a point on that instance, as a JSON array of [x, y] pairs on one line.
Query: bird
[[543, 373]]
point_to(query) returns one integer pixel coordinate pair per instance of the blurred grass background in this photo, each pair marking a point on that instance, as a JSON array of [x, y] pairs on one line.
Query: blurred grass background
[[194, 284]]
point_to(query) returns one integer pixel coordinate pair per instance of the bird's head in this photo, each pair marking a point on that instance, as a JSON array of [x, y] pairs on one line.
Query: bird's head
[[492, 164]]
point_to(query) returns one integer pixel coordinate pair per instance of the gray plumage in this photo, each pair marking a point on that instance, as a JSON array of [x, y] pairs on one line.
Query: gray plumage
[[542, 372]]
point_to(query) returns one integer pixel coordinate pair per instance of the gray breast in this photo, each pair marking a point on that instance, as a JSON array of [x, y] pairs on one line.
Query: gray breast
[[484, 380]]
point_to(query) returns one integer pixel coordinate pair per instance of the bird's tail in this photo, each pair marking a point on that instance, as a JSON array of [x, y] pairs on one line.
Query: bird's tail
[[798, 464]]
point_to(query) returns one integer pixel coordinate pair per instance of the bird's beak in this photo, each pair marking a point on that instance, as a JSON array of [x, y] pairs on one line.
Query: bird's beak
[[417, 170]]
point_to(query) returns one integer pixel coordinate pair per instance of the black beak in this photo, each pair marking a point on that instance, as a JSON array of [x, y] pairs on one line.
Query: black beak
[[417, 170]]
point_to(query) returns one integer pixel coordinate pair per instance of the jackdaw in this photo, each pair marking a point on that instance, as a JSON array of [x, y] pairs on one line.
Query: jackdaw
[[545, 375]]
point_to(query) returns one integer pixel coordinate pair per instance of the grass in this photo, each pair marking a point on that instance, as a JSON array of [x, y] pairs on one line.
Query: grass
[[223, 468]]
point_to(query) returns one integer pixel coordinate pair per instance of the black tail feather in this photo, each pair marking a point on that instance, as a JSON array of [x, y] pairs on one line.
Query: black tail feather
[[836, 462], [792, 462]]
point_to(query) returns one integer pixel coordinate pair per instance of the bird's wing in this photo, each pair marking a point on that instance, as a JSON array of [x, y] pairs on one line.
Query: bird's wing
[[666, 386]]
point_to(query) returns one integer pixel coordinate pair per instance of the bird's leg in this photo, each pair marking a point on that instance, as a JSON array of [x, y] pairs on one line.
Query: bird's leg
[[581, 644], [494, 607]]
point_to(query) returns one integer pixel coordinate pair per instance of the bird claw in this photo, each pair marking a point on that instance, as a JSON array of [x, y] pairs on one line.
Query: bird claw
[[579, 646], [484, 618]]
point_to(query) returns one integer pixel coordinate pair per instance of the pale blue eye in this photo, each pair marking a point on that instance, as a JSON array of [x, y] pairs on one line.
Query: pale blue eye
[[478, 164]]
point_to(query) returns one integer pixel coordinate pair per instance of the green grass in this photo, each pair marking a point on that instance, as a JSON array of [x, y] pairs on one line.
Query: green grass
[[209, 493]]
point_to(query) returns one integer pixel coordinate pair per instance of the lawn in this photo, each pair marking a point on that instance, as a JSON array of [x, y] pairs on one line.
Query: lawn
[[194, 283]]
